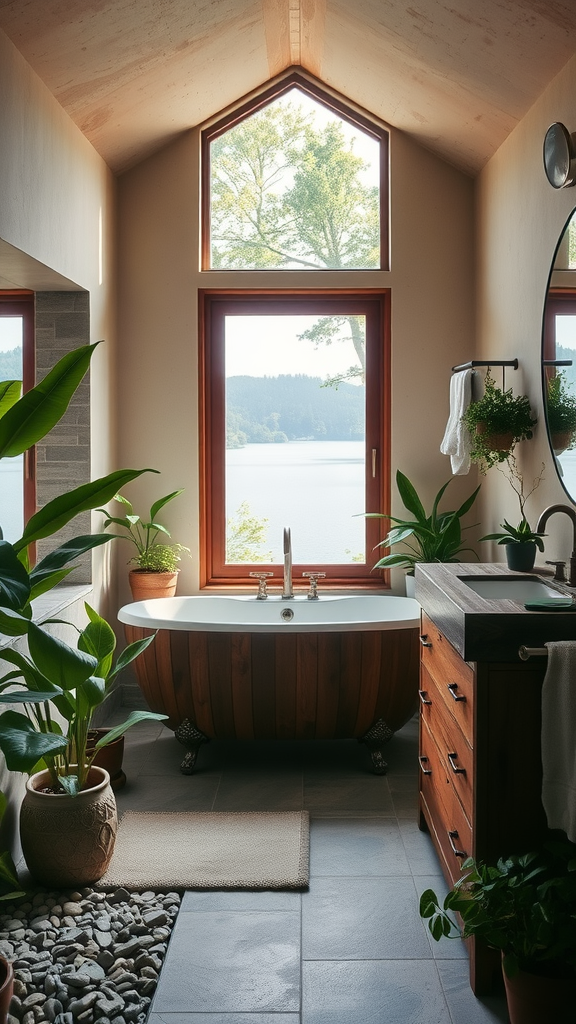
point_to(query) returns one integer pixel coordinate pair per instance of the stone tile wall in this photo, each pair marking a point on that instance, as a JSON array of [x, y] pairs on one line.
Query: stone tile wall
[[63, 456]]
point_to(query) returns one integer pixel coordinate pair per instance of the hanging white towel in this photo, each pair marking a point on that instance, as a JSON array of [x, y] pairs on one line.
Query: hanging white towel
[[456, 441], [559, 737]]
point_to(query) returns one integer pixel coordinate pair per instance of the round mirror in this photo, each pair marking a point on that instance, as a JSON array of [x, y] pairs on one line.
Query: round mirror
[[559, 357]]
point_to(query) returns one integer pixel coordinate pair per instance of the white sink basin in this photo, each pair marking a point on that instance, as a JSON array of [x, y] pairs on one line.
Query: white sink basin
[[521, 588]]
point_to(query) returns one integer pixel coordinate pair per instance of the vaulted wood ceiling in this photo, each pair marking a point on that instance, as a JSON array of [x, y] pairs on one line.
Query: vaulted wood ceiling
[[457, 75]]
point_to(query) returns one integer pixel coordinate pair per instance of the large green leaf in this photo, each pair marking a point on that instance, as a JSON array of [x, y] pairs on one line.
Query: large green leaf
[[129, 654], [119, 730], [29, 672], [12, 623], [61, 664], [62, 509], [409, 497], [14, 580], [22, 745], [40, 409], [163, 501], [10, 391], [67, 552], [98, 639]]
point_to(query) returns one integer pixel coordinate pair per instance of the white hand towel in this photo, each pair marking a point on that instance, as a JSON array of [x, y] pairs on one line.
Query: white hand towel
[[456, 440], [559, 737]]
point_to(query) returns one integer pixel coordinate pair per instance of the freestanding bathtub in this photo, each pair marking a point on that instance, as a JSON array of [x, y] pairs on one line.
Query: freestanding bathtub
[[240, 668]]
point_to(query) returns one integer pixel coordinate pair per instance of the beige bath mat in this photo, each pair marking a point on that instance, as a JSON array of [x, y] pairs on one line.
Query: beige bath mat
[[210, 850]]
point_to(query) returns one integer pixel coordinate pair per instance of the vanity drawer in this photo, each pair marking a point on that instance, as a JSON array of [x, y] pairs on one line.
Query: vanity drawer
[[449, 822], [453, 747], [448, 678]]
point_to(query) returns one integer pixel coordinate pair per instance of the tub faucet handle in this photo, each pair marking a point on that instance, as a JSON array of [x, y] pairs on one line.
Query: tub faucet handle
[[262, 578], [559, 573], [313, 577]]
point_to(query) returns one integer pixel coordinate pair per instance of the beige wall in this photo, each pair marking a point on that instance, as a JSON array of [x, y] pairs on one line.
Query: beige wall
[[431, 278], [520, 218], [57, 210]]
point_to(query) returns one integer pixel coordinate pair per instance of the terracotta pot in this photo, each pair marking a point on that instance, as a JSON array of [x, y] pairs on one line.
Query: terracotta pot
[[109, 757], [144, 584], [68, 841], [6, 987], [561, 440], [535, 999], [495, 442], [521, 557]]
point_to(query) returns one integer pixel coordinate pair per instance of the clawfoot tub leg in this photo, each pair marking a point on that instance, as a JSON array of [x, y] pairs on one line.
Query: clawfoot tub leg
[[375, 738], [190, 737]]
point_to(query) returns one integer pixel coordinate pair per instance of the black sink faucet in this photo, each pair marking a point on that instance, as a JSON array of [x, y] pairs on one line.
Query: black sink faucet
[[571, 512]]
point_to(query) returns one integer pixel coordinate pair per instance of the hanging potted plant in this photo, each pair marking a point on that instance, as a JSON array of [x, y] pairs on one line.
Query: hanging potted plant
[[520, 542], [428, 537], [496, 422], [524, 906], [561, 414], [156, 562]]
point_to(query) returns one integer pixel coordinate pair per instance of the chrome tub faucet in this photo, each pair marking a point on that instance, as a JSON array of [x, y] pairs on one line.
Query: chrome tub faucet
[[571, 513]]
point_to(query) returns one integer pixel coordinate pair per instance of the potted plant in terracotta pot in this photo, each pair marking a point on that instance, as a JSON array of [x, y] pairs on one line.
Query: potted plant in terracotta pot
[[156, 572], [561, 413], [496, 422], [520, 542], [429, 537], [524, 906]]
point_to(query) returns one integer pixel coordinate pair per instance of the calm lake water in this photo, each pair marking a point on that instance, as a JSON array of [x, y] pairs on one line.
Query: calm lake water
[[314, 487]]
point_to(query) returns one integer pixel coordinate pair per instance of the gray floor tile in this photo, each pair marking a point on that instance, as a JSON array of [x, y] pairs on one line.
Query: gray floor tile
[[463, 1004], [229, 962], [155, 793], [422, 857], [373, 992], [362, 919], [260, 791], [354, 795], [196, 901], [224, 1018], [404, 790], [357, 846]]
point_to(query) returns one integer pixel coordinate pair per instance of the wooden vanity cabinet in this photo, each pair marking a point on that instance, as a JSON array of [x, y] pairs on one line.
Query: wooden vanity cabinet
[[480, 765]]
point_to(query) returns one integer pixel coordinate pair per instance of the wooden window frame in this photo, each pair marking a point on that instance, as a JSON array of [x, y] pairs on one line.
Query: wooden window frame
[[214, 304], [339, 106], [21, 303]]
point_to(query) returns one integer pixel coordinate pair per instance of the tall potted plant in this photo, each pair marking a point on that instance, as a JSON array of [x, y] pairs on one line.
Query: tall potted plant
[[496, 422], [520, 542], [561, 413], [55, 676], [156, 572], [524, 906], [429, 537]]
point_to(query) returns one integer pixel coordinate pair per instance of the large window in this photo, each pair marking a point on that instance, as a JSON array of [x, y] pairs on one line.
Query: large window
[[295, 180], [294, 421], [17, 474]]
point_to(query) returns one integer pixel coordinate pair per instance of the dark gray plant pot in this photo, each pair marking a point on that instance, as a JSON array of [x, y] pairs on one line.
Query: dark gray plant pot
[[521, 557]]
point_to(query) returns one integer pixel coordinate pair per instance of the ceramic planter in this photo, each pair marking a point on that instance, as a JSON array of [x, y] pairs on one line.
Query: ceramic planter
[[561, 440], [68, 841], [521, 557], [495, 442], [534, 999], [6, 987], [144, 584]]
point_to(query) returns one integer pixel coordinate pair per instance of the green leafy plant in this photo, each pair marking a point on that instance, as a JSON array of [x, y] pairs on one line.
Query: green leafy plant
[[429, 537], [56, 677], [74, 682], [524, 906], [497, 414], [523, 533], [151, 555], [561, 408]]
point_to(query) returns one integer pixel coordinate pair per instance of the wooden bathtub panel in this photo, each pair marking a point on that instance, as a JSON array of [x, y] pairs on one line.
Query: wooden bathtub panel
[[329, 685], [285, 674], [241, 646], [370, 685], [161, 648], [264, 685], [145, 668], [181, 673], [306, 684], [398, 697], [220, 682], [199, 683], [351, 677]]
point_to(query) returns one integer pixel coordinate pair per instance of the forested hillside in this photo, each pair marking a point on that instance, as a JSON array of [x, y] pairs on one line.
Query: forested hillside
[[289, 408], [11, 364]]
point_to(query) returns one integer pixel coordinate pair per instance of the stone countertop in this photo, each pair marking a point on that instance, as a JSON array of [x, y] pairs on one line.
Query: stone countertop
[[482, 629]]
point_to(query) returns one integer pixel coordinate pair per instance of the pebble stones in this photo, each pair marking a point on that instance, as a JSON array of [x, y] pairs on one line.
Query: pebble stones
[[86, 957]]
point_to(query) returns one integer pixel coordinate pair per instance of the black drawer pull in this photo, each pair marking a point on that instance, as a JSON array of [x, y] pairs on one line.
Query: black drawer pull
[[425, 771], [424, 640], [423, 694], [451, 837], [457, 696], [457, 771]]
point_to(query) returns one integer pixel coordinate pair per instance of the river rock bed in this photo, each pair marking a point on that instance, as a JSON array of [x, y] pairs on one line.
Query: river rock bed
[[86, 956]]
